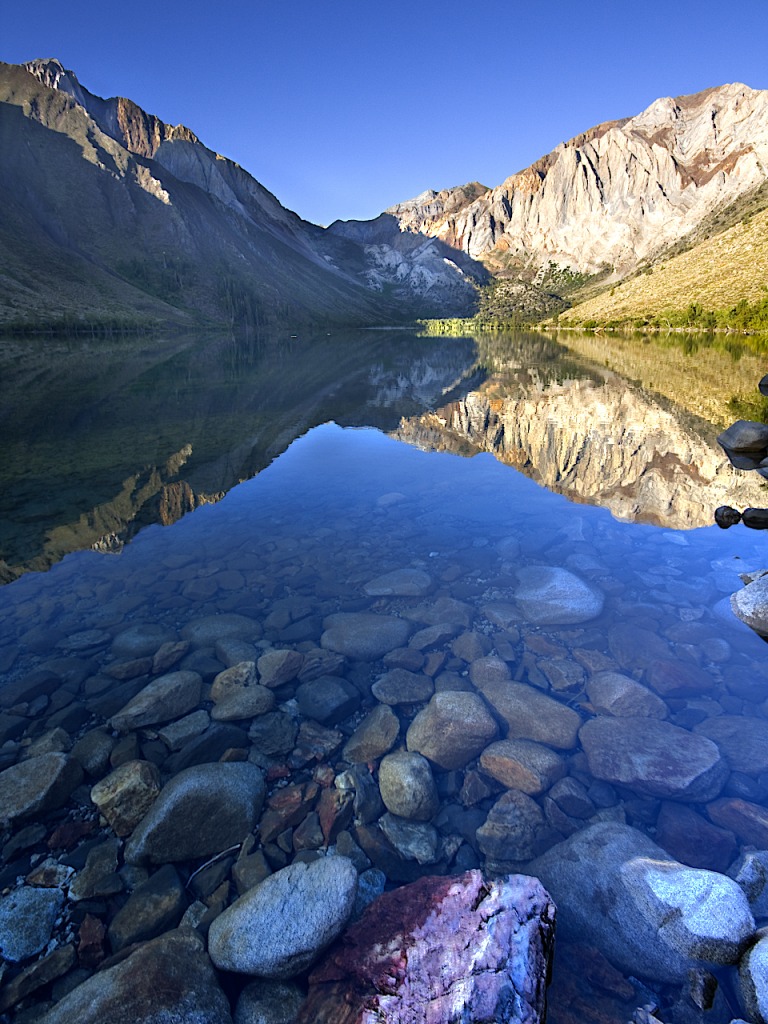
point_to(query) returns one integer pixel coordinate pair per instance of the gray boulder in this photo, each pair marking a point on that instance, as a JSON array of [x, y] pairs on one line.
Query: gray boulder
[[27, 916], [38, 785], [201, 811], [612, 693], [753, 982], [648, 914], [168, 697], [531, 714], [407, 786], [452, 729], [364, 636], [278, 928], [550, 595], [375, 735], [406, 582], [268, 1002]]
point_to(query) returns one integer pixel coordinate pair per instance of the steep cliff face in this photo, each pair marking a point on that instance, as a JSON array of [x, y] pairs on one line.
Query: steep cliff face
[[595, 442], [110, 214], [612, 196]]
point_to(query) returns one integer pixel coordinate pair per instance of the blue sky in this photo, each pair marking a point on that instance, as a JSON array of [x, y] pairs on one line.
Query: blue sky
[[343, 108]]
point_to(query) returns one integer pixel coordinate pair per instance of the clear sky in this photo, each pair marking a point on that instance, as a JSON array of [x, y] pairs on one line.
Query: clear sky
[[344, 107]]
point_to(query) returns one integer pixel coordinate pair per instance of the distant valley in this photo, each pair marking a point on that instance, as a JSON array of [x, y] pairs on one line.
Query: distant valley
[[112, 217]]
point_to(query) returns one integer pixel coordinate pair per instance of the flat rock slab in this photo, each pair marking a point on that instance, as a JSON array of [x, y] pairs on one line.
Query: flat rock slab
[[400, 583], [363, 635], [441, 949], [549, 595], [531, 714], [207, 631], [278, 928], [647, 913], [399, 686], [141, 640], [169, 979], [612, 693], [162, 700], [38, 785], [654, 757], [742, 741], [201, 811]]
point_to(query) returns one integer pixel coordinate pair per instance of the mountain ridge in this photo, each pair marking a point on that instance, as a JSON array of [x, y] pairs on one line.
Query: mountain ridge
[[114, 217], [612, 196]]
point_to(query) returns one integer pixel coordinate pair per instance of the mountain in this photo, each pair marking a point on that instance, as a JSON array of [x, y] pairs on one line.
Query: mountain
[[610, 198], [109, 215]]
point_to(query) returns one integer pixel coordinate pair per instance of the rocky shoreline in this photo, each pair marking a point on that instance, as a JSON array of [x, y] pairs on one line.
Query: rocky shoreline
[[214, 799]]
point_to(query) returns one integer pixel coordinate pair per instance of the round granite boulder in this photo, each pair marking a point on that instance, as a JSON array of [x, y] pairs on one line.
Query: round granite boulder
[[279, 927], [549, 595], [407, 786]]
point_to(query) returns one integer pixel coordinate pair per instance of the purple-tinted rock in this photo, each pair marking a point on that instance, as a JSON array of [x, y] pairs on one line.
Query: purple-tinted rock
[[440, 950]]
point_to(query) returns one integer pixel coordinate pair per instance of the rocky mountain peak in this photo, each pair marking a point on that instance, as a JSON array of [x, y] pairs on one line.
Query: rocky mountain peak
[[51, 72], [613, 195]]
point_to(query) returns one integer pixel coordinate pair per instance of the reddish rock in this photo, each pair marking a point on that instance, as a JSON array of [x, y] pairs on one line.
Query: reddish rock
[[440, 950], [335, 809], [68, 835], [749, 821], [693, 840], [90, 944], [286, 808]]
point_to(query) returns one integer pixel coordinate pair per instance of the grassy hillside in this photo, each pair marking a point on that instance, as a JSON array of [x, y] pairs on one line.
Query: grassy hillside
[[715, 275]]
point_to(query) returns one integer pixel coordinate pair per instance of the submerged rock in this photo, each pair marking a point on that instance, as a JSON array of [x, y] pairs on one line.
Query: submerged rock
[[166, 980], [649, 914], [407, 786], [452, 729], [278, 928], [550, 595], [27, 917], [654, 757], [364, 636], [201, 811], [441, 950], [168, 697], [40, 784]]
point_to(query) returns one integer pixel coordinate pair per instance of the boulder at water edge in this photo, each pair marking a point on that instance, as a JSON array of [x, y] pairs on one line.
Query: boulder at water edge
[[441, 950], [278, 928], [201, 811], [167, 980], [648, 914]]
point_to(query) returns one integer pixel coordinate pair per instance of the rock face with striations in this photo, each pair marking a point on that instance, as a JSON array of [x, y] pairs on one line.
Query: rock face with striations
[[442, 950], [612, 195]]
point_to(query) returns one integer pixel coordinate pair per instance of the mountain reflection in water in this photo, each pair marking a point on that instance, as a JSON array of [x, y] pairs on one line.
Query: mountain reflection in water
[[103, 438]]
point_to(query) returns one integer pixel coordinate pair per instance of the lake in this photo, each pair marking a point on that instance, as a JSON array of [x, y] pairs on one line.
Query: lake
[[501, 517]]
